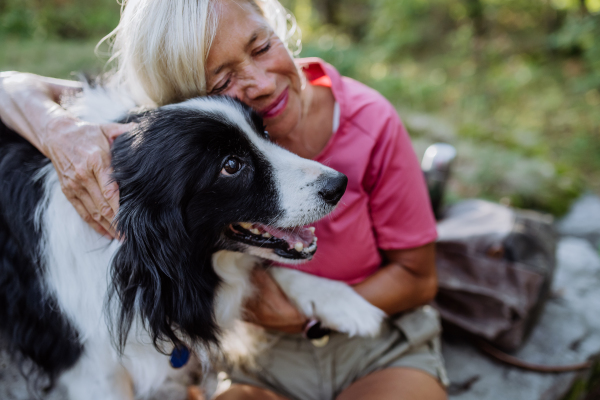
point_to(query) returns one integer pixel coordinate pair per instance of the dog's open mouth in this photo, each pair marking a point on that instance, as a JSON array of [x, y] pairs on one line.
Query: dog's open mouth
[[293, 243]]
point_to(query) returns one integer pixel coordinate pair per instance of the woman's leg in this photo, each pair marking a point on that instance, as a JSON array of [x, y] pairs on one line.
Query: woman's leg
[[247, 392], [395, 384]]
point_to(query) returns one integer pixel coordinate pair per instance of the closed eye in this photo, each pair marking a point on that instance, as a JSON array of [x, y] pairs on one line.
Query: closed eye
[[263, 50], [221, 88]]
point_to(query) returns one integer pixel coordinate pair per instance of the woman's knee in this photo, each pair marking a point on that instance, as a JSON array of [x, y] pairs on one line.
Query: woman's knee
[[248, 392], [396, 384]]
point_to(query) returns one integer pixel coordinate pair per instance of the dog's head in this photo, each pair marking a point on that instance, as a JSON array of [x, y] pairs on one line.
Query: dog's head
[[198, 177]]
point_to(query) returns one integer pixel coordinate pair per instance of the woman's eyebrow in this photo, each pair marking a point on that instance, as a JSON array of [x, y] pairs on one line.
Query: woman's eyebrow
[[251, 41], [255, 35]]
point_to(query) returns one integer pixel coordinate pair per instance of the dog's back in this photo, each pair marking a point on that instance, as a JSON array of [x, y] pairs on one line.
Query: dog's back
[[30, 318]]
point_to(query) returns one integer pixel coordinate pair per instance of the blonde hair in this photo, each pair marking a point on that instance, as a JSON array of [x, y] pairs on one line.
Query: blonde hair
[[160, 47]]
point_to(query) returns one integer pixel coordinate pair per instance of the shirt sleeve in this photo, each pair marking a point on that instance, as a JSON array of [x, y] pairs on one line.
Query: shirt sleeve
[[398, 198]]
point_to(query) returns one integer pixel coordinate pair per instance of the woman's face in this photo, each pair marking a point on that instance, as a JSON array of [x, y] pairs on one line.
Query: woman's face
[[248, 61]]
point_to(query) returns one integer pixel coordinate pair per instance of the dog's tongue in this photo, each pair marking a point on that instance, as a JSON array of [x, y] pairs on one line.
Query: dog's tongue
[[304, 235]]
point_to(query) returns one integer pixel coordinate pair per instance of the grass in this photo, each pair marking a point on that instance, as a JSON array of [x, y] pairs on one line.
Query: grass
[[51, 57], [586, 388]]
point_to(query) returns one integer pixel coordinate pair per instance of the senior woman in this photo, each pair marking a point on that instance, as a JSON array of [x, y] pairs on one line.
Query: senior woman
[[380, 240]]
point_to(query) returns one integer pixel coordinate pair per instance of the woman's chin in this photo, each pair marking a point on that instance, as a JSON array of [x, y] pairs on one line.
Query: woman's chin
[[282, 126]]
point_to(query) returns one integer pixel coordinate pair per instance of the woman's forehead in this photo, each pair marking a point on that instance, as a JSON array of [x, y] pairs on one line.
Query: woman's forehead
[[239, 26]]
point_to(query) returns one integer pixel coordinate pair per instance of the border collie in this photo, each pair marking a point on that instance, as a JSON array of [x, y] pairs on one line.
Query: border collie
[[204, 195]]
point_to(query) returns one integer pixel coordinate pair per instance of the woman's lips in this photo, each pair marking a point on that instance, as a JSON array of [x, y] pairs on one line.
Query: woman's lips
[[277, 106]]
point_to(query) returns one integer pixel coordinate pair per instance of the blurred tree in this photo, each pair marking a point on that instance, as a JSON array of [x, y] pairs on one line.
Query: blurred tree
[[475, 12], [328, 10]]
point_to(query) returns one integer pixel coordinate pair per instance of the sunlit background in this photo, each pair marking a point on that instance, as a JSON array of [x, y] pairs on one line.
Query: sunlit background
[[513, 84]]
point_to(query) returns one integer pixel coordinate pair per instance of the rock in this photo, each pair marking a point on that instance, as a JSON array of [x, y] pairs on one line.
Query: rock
[[583, 220], [568, 332], [433, 128]]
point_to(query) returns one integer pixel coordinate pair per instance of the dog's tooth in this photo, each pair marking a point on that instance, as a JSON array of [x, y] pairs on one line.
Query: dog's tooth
[[255, 231], [267, 235], [299, 246], [245, 225], [312, 229]]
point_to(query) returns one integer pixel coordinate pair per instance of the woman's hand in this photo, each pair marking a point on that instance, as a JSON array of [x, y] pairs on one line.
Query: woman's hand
[[80, 153], [270, 308]]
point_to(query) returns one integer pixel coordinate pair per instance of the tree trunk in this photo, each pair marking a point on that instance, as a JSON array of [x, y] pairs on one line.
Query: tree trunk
[[476, 14], [327, 10]]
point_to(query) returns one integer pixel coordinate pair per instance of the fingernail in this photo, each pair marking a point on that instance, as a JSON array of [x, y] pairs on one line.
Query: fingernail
[[107, 212]]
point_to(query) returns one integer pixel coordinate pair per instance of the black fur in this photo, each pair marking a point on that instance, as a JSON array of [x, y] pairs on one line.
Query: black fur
[[29, 318]]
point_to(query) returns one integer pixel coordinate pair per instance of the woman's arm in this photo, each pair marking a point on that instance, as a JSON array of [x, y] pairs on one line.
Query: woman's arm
[[80, 151], [28, 102], [407, 280]]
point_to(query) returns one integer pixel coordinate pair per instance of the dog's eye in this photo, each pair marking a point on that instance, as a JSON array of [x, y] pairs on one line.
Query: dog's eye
[[232, 166], [266, 135]]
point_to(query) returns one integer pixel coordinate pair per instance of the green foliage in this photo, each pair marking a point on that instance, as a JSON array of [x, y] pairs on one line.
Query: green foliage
[[580, 37], [516, 83], [67, 19], [586, 388], [50, 57]]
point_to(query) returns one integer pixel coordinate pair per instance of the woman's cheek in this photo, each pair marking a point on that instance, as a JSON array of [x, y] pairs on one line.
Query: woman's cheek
[[280, 129]]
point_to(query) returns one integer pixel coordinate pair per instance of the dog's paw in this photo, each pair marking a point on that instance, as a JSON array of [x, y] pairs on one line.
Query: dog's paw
[[352, 315], [334, 303]]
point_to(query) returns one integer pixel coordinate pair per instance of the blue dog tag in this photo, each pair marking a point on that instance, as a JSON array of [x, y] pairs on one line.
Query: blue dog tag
[[179, 357]]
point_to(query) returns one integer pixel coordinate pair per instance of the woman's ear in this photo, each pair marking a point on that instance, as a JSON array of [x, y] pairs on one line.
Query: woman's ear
[[159, 276]]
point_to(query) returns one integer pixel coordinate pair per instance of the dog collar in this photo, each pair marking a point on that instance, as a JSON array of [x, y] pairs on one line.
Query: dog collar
[[179, 357]]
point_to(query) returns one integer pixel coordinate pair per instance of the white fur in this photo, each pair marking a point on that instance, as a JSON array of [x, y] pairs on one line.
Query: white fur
[[234, 269], [99, 105]]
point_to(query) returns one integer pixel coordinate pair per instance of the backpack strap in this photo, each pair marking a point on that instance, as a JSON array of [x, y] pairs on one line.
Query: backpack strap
[[515, 362]]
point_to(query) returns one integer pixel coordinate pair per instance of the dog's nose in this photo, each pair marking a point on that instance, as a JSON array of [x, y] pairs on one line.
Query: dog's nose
[[334, 189]]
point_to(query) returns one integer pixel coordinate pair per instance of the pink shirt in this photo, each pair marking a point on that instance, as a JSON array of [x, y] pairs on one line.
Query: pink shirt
[[386, 205]]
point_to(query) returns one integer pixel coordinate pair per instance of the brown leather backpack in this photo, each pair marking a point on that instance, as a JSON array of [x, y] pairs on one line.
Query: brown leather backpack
[[495, 266]]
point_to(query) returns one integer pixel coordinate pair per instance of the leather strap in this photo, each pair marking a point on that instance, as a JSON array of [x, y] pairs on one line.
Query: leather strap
[[515, 362]]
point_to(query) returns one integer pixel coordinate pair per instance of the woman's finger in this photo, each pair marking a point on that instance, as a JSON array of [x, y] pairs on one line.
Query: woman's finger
[[85, 215], [270, 307], [112, 131], [92, 208], [195, 393], [98, 176], [108, 190]]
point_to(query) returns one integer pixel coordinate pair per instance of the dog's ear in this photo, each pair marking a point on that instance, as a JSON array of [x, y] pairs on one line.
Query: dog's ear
[[158, 274]]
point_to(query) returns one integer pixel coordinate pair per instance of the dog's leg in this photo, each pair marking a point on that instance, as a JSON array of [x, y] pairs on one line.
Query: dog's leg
[[334, 303]]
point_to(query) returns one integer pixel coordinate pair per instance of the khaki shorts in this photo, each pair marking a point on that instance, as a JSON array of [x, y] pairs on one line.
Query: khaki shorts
[[297, 369]]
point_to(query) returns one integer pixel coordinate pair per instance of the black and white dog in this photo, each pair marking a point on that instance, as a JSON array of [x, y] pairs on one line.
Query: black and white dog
[[204, 196]]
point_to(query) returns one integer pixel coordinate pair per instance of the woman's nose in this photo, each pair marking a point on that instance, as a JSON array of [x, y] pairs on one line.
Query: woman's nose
[[259, 83]]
